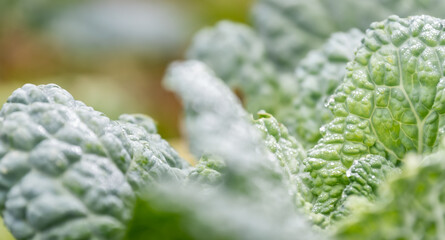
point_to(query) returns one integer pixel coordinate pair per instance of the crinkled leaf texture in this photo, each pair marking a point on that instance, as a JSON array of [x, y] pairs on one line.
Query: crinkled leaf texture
[[410, 206], [287, 152], [238, 57], [366, 174], [209, 170], [290, 155], [290, 28], [390, 103], [217, 125], [251, 202], [69, 172]]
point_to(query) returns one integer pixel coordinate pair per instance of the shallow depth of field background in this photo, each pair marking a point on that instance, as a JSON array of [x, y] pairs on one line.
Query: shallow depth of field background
[[109, 54]]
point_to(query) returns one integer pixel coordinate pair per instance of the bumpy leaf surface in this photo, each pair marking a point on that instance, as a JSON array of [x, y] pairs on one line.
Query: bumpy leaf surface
[[217, 125], [366, 174], [238, 57], [287, 152], [318, 75], [69, 172], [253, 186], [290, 155], [410, 206], [208, 170], [390, 103], [290, 28]]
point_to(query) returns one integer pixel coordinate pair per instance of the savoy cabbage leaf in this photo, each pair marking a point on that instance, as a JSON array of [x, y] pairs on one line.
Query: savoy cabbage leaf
[[281, 155], [217, 125], [69, 172], [237, 55], [389, 104], [409, 206], [290, 155], [375, 172], [250, 203], [317, 77]]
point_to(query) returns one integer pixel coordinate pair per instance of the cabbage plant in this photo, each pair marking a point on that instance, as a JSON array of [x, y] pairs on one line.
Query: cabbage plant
[[349, 146]]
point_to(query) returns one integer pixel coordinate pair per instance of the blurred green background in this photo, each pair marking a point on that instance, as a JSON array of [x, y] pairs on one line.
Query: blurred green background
[[109, 54]]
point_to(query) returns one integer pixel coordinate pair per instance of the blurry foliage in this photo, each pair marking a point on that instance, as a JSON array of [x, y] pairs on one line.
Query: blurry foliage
[[112, 54], [291, 28], [109, 54]]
